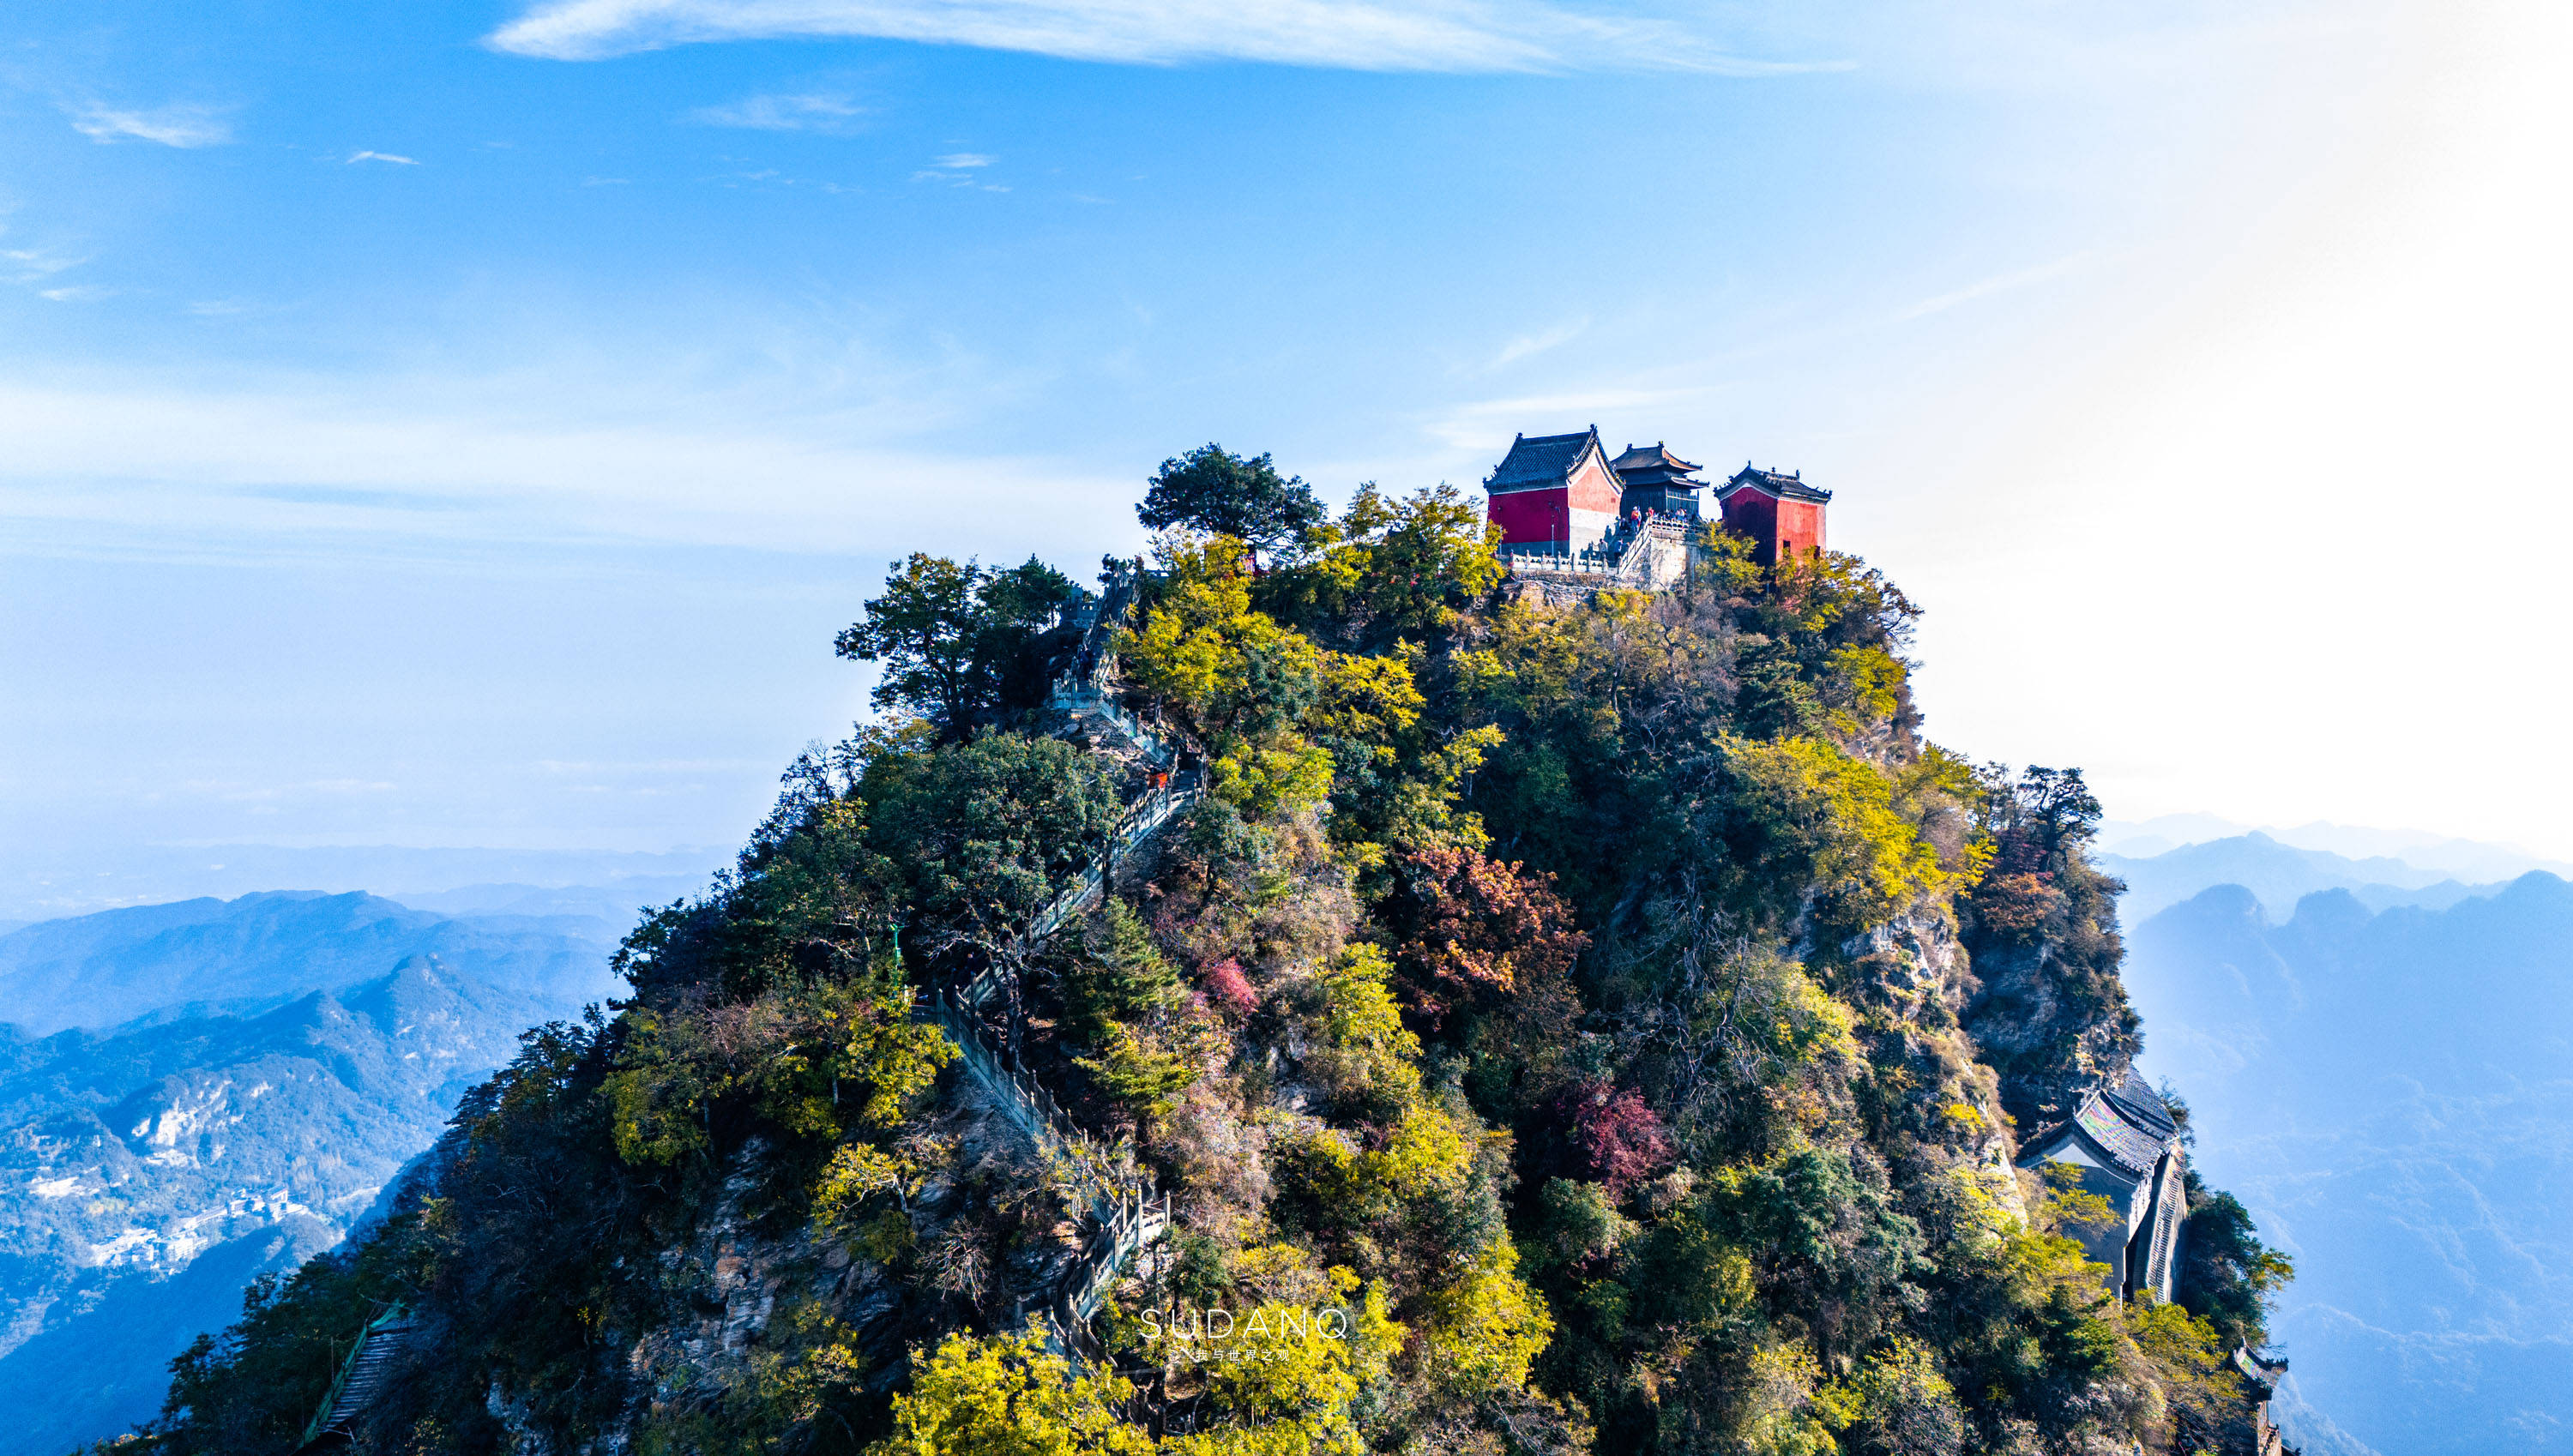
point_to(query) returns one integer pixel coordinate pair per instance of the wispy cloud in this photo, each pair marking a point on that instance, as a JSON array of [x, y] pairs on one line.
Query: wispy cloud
[[357, 157], [959, 179], [33, 265], [965, 159], [1364, 35], [831, 112], [1529, 345], [75, 293], [1474, 425], [2001, 283], [171, 125], [305, 464]]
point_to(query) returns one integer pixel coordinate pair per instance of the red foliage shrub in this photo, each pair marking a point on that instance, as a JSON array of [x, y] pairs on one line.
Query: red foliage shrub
[[1468, 926], [1226, 987], [1612, 1136]]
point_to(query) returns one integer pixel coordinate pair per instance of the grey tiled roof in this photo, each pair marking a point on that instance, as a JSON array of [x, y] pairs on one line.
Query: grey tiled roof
[[2134, 1150], [1542, 459], [2143, 1105], [1651, 464], [2127, 1126], [1780, 483]]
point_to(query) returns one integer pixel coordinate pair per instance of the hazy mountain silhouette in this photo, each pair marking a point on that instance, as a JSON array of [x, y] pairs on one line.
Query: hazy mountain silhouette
[[44, 881], [106, 1368], [2392, 1092], [107, 969], [2277, 875]]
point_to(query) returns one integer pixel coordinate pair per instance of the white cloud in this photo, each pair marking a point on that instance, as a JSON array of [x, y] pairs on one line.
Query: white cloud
[[358, 156], [1985, 287], [76, 294], [171, 125], [1364, 35], [817, 111], [966, 158], [1529, 345], [27, 265], [304, 466]]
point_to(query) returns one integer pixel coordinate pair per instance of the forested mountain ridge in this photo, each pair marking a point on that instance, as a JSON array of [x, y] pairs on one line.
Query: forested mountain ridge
[[1553, 1029]]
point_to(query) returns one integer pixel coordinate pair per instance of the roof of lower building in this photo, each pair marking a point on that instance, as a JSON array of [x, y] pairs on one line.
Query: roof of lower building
[[2134, 1150], [1785, 485], [2143, 1105], [1545, 459], [2127, 1126]]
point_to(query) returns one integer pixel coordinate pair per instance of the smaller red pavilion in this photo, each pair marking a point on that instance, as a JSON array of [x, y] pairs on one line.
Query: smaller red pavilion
[[1780, 513]]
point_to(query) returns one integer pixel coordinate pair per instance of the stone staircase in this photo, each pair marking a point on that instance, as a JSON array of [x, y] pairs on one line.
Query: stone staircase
[[362, 1377], [1125, 1213]]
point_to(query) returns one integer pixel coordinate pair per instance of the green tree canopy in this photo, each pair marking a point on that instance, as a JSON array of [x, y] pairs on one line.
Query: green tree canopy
[[1216, 491], [956, 640], [984, 833]]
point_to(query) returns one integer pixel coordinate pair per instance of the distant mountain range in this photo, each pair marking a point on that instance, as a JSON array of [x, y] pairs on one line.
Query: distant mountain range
[[193, 1094], [244, 954], [2390, 1089], [39, 882], [2468, 861], [2277, 875]]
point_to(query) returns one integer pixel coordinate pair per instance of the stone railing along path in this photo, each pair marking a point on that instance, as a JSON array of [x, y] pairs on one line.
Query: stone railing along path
[[361, 1376], [1125, 1212], [1644, 558]]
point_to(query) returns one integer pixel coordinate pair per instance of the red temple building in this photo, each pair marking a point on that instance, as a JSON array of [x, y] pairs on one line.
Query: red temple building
[[1555, 492], [1780, 513], [1563, 496]]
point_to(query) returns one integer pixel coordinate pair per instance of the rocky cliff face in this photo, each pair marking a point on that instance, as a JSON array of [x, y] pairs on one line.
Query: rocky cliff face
[[741, 1275], [2048, 1007]]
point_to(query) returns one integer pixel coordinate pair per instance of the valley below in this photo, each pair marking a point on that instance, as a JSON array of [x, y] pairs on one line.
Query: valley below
[[194, 1096]]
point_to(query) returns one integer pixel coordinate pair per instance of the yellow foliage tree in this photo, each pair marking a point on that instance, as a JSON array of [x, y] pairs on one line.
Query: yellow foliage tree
[[810, 1059], [1487, 1327], [1802, 812], [1284, 1371], [1365, 1057], [1007, 1395], [1238, 679]]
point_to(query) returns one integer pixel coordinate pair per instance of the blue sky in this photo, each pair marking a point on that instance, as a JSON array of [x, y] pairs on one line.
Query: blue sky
[[466, 425]]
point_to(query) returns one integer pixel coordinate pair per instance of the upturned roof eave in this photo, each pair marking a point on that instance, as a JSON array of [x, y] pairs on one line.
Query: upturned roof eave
[[1584, 444], [1773, 485]]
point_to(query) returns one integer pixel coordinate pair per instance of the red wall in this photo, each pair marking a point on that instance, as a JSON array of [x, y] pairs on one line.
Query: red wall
[[1795, 526], [1530, 515], [1593, 489], [1800, 526], [1750, 513]]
